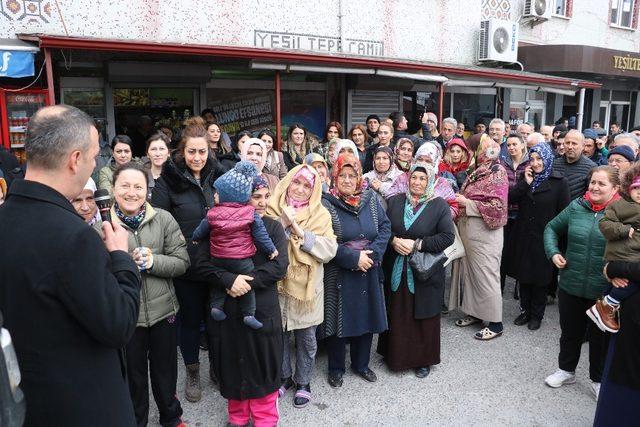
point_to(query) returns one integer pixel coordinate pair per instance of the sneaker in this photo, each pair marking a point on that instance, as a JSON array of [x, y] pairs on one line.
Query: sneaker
[[595, 389], [605, 316], [551, 299], [560, 378], [302, 396]]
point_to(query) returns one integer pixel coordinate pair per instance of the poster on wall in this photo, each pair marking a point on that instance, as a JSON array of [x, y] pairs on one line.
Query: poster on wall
[[245, 112]]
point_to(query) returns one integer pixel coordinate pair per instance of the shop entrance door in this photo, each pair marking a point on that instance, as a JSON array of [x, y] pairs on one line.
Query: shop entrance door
[[614, 111]]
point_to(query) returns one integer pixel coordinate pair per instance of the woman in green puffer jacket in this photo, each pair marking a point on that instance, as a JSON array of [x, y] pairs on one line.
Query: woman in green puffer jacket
[[159, 249], [581, 279]]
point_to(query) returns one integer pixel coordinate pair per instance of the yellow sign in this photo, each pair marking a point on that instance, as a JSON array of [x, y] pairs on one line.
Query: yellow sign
[[626, 63]]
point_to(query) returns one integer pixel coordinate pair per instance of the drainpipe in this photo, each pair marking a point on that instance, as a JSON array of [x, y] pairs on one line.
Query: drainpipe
[[580, 109], [277, 143]]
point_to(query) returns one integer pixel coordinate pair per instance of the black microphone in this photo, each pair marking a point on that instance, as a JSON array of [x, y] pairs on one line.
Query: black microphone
[[103, 201]]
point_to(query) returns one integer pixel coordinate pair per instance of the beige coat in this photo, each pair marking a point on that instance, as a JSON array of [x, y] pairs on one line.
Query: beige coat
[[294, 315]]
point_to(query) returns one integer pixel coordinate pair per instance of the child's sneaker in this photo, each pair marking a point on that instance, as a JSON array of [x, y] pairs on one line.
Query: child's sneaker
[[252, 322], [218, 314], [605, 316]]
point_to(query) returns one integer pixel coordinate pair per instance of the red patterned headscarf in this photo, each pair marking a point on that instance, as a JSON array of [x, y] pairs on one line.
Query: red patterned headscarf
[[347, 159]]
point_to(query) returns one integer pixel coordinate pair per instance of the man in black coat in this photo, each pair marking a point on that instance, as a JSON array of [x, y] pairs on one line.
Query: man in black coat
[[69, 299], [573, 165]]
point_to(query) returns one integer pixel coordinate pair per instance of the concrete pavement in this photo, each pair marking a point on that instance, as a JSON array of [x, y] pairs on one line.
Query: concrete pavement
[[494, 383]]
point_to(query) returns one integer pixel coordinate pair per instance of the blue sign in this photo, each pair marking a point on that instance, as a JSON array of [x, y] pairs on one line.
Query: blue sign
[[16, 64]]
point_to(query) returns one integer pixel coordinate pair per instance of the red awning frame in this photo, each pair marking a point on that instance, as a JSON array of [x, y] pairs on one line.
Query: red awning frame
[[77, 43]]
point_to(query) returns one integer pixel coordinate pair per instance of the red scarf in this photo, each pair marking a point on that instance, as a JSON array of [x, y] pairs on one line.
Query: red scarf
[[599, 207]]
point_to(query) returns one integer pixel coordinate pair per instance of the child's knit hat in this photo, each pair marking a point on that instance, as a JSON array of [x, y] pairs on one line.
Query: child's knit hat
[[236, 184]]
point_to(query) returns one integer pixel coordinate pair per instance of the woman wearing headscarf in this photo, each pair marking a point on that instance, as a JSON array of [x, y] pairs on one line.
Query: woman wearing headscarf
[[429, 153], [541, 194], [456, 160], [404, 154], [254, 150], [248, 362], [342, 146], [383, 174], [354, 299], [422, 221], [320, 165], [296, 203], [483, 213]]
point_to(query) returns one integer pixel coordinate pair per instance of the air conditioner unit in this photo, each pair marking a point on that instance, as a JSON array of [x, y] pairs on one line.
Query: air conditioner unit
[[498, 41], [539, 9]]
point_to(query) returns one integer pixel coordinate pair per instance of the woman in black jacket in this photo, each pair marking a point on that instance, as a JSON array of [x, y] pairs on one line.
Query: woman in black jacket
[[229, 160], [540, 195], [248, 362], [421, 221], [185, 190], [620, 392]]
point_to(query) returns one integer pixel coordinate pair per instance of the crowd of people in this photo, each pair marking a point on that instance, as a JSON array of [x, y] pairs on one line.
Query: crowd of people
[[241, 247]]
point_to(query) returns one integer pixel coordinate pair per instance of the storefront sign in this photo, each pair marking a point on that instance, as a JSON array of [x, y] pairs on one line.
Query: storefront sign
[[16, 64], [626, 63], [246, 112], [316, 43]]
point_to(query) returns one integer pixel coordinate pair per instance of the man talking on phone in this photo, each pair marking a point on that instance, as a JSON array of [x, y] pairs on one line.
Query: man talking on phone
[[69, 298]]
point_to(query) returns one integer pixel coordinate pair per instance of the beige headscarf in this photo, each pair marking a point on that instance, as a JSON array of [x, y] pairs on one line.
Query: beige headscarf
[[300, 280]]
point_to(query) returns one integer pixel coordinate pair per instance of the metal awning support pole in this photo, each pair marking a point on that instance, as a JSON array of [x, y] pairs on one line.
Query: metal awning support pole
[[580, 110], [441, 105], [277, 142], [49, 66]]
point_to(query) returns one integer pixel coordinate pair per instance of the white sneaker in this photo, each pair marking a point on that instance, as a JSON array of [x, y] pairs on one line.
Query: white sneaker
[[595, 389], [560, 378]]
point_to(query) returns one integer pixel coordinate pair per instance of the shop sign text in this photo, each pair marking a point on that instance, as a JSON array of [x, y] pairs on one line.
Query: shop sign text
[[316, 43], [626, 63]]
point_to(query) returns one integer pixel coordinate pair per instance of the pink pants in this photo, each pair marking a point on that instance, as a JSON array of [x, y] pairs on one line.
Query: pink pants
[[264, 411]]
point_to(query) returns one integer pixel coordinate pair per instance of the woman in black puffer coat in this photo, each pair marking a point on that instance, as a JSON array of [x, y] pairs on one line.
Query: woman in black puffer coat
[[185, 190]]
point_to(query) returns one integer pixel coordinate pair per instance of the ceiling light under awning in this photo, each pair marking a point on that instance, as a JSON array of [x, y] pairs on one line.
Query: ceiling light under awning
[[412, 76]]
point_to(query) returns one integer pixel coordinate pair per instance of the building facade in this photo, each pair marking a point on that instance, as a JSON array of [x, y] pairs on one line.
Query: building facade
[[265, 63]]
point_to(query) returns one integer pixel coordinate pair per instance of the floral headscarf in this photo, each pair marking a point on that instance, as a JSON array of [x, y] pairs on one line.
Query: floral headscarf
[[347, 159], [258, 183], [431, 183], [544, 151], [245, 149], [488, 150], [308, 174], [431, 151]]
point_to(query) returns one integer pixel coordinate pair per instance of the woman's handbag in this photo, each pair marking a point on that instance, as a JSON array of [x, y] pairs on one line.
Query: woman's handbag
[[456, 250], [424, 264]]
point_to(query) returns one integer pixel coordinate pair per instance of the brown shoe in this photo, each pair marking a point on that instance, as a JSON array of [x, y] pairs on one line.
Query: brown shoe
[[605, 316], [192, 390]]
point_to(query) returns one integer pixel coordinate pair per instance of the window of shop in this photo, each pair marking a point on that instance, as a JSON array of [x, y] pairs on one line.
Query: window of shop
[[469, 108], [527, 106], [250, 104], [622, 13], [88, 95]]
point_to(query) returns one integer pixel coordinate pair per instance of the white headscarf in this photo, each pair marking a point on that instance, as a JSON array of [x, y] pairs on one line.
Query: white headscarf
[[344, 143], [245, 149], [91, 185], [431, 151]]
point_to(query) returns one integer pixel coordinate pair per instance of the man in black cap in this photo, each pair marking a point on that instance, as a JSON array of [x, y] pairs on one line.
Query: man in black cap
[[373, 123]]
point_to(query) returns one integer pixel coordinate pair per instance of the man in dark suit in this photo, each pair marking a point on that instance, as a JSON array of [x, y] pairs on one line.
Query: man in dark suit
[[69, 299]]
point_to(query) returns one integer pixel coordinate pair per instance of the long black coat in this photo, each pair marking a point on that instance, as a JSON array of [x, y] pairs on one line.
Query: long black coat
[[625, 362], [178, 192], [524, 254], [435, 227], [70, 307], [247, 362]]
